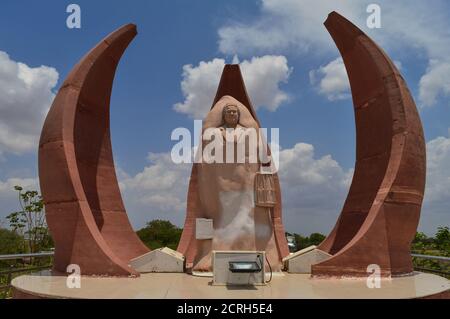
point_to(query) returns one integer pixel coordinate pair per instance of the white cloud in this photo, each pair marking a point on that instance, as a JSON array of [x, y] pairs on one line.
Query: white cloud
[[157, 192], [284, 25], [331, 80], [25, 97], [436, 205], [423, 29], [8, 196], [434, 83], [297, 26], [313, 190], [198, 85], [262, 76], [7, 187], [438, 171]]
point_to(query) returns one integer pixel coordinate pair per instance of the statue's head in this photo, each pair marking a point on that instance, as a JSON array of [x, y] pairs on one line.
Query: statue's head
[[231, 115]]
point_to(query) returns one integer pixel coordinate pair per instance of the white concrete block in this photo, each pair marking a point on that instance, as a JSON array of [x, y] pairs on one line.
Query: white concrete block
[[159, 260], [301, 261], [204, 228]]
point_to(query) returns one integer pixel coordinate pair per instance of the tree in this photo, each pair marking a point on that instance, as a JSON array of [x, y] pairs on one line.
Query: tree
[[420, 237], [313, 239], [160, 233], [442, 239], [10, 242], [316, 238], [30, 221], [422, 242], [301, 241]]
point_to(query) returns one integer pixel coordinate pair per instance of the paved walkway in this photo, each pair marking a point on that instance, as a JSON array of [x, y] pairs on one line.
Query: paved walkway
[[175, 286]]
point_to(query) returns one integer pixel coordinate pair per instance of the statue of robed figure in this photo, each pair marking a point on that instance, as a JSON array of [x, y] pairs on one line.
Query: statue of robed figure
[[235, 184]]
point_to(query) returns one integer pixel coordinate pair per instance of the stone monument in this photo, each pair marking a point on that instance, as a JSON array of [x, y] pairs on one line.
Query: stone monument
[[239, 207], [381, 213], [83, 205], [244, 217]]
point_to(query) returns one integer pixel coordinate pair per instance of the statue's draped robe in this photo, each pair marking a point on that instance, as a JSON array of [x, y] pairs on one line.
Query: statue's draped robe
[[226, 195]]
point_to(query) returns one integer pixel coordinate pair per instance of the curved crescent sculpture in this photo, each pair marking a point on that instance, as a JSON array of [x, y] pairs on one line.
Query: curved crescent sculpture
[[231, 84], [84, 208], [381, 213]]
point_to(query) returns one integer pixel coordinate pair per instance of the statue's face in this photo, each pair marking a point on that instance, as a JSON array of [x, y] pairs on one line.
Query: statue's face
[[231, 115]]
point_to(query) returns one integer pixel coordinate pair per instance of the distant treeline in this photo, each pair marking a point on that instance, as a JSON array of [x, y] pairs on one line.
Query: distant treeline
[[162, 233]]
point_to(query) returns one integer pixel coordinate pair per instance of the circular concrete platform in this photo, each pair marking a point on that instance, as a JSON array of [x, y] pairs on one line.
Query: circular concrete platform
[[184, 286]]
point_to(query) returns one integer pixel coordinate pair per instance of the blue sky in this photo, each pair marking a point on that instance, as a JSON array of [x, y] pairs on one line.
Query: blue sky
[[283, 38]]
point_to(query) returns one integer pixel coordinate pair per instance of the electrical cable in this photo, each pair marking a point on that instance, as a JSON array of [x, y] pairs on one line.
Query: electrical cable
[[270, 267]]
